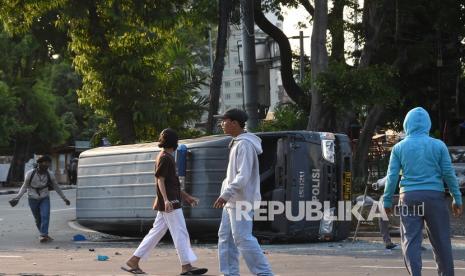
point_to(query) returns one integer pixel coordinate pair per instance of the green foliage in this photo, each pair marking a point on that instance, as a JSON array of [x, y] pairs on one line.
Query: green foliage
[[175, 100], [107, 129], [276, 6], [133, 56], [190, 133], [28, 103], [351, 89], [79, 120], [286, 117], [40, 108], [8, 123]]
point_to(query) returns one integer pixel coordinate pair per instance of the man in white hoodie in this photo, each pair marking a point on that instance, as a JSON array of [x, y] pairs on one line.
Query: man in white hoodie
[[240, 188]]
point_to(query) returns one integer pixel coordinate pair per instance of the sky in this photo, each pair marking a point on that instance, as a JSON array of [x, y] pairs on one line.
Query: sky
[[290, 26]]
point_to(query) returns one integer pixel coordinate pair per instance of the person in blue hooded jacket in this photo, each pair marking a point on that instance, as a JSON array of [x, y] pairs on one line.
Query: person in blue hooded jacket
[[426, 165]]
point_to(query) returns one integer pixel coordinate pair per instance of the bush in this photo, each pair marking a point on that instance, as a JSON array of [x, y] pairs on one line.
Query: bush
[[286, 117]]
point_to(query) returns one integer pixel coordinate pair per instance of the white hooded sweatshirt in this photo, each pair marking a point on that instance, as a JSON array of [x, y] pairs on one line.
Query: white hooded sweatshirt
[[242, 182]]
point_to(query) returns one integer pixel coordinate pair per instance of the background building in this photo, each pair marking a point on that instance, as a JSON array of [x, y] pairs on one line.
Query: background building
[[271, 91]]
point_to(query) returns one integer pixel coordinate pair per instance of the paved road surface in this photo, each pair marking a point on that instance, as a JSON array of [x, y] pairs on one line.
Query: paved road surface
[[17, 228], [22, 254]]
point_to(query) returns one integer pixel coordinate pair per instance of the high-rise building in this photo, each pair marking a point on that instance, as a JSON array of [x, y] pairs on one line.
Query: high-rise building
[[269, 82]]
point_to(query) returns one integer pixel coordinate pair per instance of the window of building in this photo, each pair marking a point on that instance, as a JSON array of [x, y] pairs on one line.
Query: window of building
[[237, 83], [239, 106], [227, 96], [227, 84], [239, 95], [237, 71]]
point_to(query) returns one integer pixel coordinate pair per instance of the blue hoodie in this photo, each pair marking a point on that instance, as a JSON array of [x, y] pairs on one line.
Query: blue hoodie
[[425, 161]]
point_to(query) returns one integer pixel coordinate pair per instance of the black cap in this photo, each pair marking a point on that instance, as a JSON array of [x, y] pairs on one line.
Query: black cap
[[44, 158], [234, 114]]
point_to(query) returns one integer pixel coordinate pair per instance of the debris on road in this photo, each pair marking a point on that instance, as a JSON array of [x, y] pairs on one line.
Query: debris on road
[[102, 257], [79, 237]]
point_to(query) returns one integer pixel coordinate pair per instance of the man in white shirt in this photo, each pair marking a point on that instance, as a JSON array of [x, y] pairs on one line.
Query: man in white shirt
[[241, 187]]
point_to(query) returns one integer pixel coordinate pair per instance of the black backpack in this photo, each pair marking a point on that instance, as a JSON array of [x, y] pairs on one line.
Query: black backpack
[[49, 182]]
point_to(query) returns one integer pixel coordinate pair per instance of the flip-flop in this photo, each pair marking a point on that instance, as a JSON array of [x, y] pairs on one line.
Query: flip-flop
[[195, 271], [133, 270]]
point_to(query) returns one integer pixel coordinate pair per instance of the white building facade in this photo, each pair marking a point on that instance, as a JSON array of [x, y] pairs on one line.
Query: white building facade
[[271, 91]]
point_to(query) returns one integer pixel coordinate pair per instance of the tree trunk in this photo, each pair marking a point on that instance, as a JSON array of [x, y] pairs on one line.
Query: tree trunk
[[308, 6], [373, 18], [224, 10], [336, 29], [293, 90], [121, 110], [360, 158], [22, 153], [319, 64], [125, 125]]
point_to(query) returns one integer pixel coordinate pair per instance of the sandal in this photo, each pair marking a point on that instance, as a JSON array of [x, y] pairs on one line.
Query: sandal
[[133, 270], [195, 271]]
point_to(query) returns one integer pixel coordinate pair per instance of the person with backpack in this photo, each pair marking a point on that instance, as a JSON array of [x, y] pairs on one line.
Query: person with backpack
[[37, 183]]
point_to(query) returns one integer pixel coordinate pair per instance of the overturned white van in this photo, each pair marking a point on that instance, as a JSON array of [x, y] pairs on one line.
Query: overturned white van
[[116, 185]]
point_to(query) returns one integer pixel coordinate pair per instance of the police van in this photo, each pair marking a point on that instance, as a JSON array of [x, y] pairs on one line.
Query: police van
[[116, 185]]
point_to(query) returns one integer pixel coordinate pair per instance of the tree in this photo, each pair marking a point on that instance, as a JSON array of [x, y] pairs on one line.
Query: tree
[[319, 55], [323, 114], [411, 55], [79, 120], [134, 67], [30, 106], [286, 117], [293, 90], [225, 8], [8, 122]]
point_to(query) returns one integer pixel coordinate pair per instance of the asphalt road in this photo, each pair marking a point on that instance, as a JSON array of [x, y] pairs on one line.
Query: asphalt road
[[22, 254], [17, 227]]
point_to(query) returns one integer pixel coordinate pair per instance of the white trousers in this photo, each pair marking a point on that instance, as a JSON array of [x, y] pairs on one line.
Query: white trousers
[[175, 222]]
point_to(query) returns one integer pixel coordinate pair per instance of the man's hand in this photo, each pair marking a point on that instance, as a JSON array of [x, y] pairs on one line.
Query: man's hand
[[388, 211], [457, 210], [14, 202], [168, 206], [219, 203], [192, 201], [67, 202]]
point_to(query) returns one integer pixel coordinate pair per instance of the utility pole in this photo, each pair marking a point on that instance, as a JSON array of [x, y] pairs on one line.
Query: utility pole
[[249, 63], [302, 53]]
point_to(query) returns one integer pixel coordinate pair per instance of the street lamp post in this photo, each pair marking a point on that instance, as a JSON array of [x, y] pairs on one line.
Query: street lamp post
[[249, 65]]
